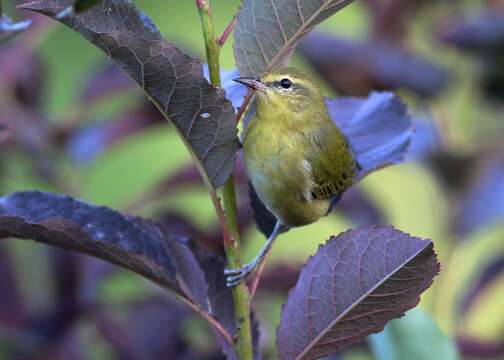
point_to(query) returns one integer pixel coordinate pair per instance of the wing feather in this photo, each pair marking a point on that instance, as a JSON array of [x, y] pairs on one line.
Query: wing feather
[[333, 167]]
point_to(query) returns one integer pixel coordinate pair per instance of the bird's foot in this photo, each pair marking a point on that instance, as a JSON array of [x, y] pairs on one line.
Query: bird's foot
[[236, 276]]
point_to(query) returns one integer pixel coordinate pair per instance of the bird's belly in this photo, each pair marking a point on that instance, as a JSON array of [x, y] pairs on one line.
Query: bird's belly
[[298, 212], [286, 202], [281, 184]]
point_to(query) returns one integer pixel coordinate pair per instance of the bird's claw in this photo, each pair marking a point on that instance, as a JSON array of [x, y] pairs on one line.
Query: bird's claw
[[236, 276]]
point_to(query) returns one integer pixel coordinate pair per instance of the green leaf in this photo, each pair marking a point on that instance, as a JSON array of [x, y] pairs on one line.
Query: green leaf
[[267, 31], [414, 337]]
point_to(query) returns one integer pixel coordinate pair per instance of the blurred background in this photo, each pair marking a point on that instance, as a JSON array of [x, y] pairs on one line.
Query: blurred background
[[70, 122]]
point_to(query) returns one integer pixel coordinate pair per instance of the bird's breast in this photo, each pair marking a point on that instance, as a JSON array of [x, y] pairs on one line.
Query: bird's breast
[[277, 167]]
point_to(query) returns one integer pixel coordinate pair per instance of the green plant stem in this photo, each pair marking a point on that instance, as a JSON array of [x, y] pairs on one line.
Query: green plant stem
[[211, 46], [229, 222]]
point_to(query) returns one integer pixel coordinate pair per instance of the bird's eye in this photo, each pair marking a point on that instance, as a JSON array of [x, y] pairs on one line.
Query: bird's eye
[[286, 83]]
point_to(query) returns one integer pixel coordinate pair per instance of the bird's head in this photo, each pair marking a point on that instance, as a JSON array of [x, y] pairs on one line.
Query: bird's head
[[285, 88]]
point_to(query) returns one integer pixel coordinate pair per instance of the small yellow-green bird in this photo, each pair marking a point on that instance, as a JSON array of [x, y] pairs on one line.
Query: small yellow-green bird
[[296, 158]]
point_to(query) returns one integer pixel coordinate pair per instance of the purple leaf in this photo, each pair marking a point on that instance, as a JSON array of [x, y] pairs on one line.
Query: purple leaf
[[192, 273], [131, 242], [222, 305], [12, 306], [22, 73], [356, 68], [483, 36], [9, 28], [152, 329], [4, 133], [391, 19], [453, 169], [70, 347], [491, 272], [183, 226], [221, 297], [426, 138], [106, 81], [114, 333], [359, 209], [474, 348], [173, 80], [352, 287], [483, 203], [481, 33], [147, 325], [378, 129], [93, 272], [49, 329], [65, 272], [267, 32]]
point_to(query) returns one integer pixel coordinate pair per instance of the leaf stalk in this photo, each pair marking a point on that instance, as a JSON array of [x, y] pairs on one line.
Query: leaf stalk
[[227, 31]]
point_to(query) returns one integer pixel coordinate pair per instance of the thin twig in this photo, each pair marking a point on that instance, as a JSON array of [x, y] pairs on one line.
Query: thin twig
[[213, 321], [257, 277], [255, 281], [227, 31]]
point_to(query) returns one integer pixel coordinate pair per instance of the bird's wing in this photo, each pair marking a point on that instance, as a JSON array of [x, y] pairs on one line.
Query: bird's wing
[[332, 164]]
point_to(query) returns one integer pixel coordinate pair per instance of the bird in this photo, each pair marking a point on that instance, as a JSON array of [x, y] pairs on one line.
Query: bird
[[296, 158]]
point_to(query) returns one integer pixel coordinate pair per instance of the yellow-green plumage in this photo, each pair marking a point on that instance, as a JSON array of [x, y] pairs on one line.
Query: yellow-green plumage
[[296, 157]]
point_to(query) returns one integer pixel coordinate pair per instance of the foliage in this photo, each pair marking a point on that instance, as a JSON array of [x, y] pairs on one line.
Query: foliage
[[350, 287]]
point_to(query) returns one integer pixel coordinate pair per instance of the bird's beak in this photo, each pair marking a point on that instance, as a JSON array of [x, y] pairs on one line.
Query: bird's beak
[[252, 83]]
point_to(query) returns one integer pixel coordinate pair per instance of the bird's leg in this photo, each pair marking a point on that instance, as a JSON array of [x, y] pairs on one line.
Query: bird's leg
[[236, 276]]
